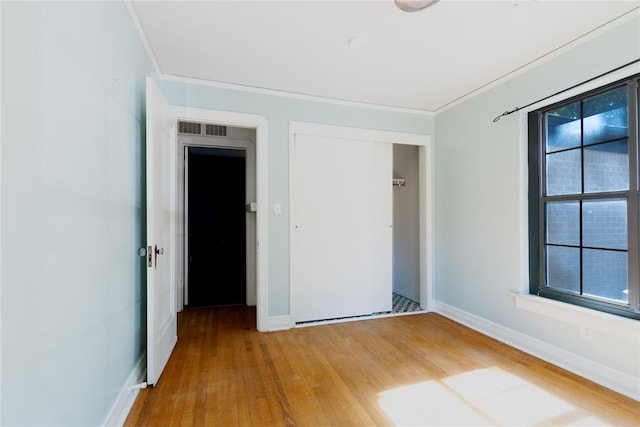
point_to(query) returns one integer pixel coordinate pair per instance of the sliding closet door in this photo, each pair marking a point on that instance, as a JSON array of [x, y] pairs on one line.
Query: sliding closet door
[[341, 213]]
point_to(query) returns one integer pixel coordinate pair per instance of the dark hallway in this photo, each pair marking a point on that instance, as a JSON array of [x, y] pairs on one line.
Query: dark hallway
[[216, 227]]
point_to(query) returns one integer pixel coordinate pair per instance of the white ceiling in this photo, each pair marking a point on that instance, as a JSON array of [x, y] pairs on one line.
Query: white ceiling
[[422, 60]]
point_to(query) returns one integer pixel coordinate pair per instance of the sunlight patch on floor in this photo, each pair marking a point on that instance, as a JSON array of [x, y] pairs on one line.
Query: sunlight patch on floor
[[489, 396]]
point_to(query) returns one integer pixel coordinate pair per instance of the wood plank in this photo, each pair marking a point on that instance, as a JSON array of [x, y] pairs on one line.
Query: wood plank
[[223, 372]]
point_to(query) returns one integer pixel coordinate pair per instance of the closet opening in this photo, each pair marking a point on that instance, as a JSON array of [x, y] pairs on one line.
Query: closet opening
[[360, 230], [406, 228]]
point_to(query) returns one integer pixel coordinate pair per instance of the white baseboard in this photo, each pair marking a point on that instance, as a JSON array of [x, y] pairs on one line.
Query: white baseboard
[[594, 371], [124, 402], [278, 323]]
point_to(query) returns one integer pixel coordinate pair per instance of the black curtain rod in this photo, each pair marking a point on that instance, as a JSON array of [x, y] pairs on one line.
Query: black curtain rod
[[506, 113]]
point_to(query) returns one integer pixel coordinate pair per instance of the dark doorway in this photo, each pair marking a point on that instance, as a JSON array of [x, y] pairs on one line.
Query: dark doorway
[[216, 227]]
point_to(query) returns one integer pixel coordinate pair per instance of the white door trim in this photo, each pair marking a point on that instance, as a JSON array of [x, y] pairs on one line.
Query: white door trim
[[342, 132], [260, 124], [424, 142], [183, 226]]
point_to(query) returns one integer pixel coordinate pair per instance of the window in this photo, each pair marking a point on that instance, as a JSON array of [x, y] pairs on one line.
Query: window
[[584, 217]]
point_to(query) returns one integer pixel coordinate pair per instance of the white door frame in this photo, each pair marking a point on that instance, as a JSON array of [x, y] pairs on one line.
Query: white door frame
[[260, 124], [426, 187]]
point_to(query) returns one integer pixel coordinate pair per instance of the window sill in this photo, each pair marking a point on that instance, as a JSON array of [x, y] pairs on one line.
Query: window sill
[[609, 324]]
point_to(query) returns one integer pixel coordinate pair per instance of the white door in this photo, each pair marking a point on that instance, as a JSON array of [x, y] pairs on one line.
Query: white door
[[341, 213], [161, 309]]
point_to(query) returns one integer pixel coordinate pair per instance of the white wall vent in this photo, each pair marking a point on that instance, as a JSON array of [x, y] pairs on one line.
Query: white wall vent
[[190, 128], [215, 130], [193, 128]]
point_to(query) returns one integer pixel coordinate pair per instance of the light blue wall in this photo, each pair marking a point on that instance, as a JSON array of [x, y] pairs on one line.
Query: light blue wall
[[73, 323], [279, 111], [480, 246], [72, 170]]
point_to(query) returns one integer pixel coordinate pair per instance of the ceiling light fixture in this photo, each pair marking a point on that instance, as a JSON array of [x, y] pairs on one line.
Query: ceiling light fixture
[[414, 5]]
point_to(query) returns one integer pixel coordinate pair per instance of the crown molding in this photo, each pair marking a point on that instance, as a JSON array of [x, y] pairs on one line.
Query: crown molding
[[142, 35], [602, 29], [293, 95]]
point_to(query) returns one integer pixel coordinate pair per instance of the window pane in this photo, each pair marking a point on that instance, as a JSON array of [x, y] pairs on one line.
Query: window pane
[[563, 127], [564, 173], [563, 268], [605, 116], [606, 167], [605, 274], [604, 224], [563, 223]]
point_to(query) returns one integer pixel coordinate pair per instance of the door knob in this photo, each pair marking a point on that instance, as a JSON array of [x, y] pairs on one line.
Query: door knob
[[158, 251]]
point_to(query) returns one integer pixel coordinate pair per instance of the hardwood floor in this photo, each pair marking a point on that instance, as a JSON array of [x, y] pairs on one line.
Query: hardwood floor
[[421, 369]]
